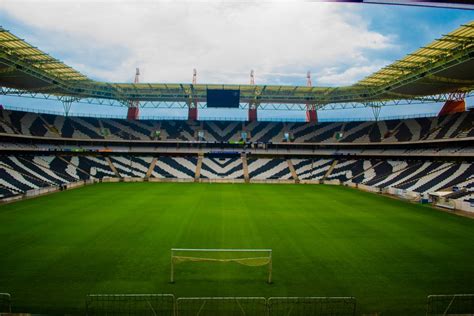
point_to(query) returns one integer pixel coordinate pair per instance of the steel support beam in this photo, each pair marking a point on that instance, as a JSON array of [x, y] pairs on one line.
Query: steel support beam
[[396, 99]]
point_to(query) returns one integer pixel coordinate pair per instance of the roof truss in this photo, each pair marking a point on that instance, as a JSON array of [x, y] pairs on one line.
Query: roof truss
[[45, 73]]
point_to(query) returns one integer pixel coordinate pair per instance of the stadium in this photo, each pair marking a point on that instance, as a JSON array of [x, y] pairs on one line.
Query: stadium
[[154, 215]]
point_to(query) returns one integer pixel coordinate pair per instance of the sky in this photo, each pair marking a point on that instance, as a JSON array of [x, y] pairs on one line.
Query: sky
[[280, 40]]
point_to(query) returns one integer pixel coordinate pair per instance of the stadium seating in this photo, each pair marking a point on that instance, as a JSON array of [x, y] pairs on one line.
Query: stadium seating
[[6, 192], [175, 167], [311, 169], [129, 166], [222, 168], [21, 173], [95, 166], [268, 169], [32, 165], [222, 131], [469, 199], [456, 125], [346, 169], [17, 178], [446, 175], [67, 164]]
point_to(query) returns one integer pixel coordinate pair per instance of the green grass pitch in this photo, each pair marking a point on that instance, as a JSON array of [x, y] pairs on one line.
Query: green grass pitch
[[326, 241]]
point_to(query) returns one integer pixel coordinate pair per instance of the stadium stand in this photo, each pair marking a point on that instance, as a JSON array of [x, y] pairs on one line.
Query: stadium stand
[[96, 166], [175, 167], [75, 149], [268, 169], [24, 172], [456, 125], [311, 169], [346, 169], [128, 166], [14, 179], [223, 131], [222, 168]]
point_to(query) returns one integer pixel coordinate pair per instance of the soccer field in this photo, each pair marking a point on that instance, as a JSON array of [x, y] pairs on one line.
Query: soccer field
[[326, 241]]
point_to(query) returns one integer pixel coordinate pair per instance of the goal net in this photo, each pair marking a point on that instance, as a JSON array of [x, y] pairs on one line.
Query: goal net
[[317, 306], [5, 303], [246, 257], [456, 304], [130, 304], [236, 306]]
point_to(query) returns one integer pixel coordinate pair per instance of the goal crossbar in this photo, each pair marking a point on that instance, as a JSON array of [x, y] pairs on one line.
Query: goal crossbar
[[5, 303], [130, 304], [454, 304], [252, 261]]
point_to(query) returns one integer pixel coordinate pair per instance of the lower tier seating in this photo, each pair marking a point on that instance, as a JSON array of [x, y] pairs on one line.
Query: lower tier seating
[[6, 192], [175, 167], [129, 166], [268, 169], [222, 168], [23, 172], [311, 169], [346, 169]]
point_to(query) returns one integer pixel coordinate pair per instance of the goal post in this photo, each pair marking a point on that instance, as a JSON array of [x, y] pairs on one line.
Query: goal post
[[130, 304], [315, 306], [5, 303], [235, 306], [455, 304], [246, 257]]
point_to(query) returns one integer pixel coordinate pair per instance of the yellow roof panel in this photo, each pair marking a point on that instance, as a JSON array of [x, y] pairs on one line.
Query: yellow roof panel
[[26, 54], [460, 39]]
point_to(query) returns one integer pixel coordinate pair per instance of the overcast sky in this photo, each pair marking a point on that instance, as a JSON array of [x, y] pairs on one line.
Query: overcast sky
[[224, 40]]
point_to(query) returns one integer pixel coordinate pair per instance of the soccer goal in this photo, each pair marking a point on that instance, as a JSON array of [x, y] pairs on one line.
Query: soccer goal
[[234, 306], [130, 304], [456, 304], [5, 303], [315, 306], [246, 257]]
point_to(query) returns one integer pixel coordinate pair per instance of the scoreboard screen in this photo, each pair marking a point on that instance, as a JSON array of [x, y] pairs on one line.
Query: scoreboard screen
[[219, 98]]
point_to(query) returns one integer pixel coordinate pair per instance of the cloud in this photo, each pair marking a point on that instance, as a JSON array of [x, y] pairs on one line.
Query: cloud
[[222, 40], [334, 76]]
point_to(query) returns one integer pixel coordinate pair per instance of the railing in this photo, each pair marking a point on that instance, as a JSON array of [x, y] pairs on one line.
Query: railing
[[383, 118], [226, 118], [94, 115]]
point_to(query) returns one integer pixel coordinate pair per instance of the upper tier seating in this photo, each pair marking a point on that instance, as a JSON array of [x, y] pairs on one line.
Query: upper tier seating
[[46, 125], [222, 131]]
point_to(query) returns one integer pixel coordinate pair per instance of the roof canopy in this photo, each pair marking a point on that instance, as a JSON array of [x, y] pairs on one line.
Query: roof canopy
[[444, 66]]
